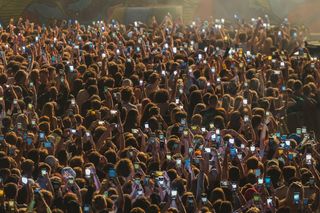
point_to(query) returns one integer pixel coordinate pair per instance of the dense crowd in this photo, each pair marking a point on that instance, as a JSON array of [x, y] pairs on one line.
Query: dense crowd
[[216, 116]]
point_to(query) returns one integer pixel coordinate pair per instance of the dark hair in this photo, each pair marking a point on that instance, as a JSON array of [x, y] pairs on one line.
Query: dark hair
[[161, 96], [11, 191], [124, 167], [126, 94]]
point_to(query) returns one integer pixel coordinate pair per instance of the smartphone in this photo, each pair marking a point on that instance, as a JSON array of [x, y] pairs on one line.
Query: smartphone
[[29, 141], [160, 180], [71, 68], [304, 130], [296, 197], [168, 157], [252, 148], [43, 172], [41, 135], [231, 141], [245, 101], [185, 132], [204, 199], [288, 143], [246, 118], [87, 172], [47, 144], [134, 131], [146, 126], [217, 131], [174, 49], [260, 181], [256, 198], [24, 180], [308, 159], [207, 150], [257, 172], [112, 173], [234, 186], [136, 166], [224, 183], [269, 202], [11, 204], [70, 180], [267, 180], [174, 193], [178, 162], [187, 163], [113, 112], [290, 156], [86, 208], [233, 152], [299, 131]]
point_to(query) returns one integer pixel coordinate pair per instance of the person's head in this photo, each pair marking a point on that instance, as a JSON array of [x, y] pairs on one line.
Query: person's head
[[234, 174], [289, 172], [11, 191], [199, 108], [133, 117], [213, 101], [137, 210], [20, 77], [161, 96], [194, 99], [252, 163], [226, 206], [274, 173], [196, 120], [235, 121], [189, 202], [124, 168], [217, 194], [141, 202], [126, 94], [48, 110], [99, 203], [154, 78], [243, 37]]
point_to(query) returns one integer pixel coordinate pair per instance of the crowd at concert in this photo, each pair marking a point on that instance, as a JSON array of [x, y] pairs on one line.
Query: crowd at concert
[[215, 115]]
